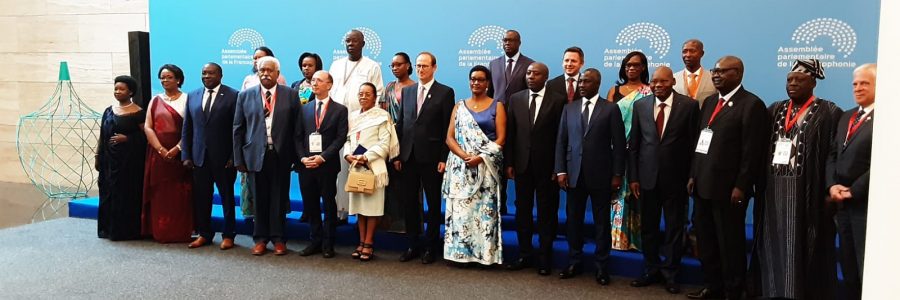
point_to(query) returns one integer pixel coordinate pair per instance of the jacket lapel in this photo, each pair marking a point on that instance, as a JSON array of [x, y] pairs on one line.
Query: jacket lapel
[[864, 128]]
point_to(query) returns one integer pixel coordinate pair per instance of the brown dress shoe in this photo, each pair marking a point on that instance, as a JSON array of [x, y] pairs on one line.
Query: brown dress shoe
[[199, 242], [259, 249], [280, 248], [227, 244]]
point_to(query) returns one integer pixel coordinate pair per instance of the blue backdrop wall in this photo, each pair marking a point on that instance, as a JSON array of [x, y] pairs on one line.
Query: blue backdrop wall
[[767, 34]]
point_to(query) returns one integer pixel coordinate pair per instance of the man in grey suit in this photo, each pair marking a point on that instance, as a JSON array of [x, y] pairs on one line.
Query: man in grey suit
[[508, 78], [694, 81], [590, 162], [663, 133], [264, 120]]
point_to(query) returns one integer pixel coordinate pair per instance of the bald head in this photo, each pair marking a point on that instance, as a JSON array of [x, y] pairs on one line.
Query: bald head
[[536, 76], [662, 83], [727, 74]]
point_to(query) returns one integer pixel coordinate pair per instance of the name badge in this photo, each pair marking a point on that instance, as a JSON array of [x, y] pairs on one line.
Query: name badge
[[782, 155], [703, 143], [315, 143]]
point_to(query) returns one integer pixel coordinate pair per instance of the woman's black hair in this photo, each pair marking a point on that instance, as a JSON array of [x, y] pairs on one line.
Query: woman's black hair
[[406, 57], [487, 73], [645, 75], [128, 81], [179, 75], [314, 57]]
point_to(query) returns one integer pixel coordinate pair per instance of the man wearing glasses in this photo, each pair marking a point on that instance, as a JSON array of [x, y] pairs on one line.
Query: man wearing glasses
[[725, 174]]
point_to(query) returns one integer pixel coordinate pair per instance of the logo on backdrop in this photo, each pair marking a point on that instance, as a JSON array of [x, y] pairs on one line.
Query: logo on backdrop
[[482, 44], [240, 47], [657, 37], [372, 49], [811, 41]]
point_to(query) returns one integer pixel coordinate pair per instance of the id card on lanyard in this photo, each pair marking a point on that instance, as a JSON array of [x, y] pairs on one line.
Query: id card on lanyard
[[315, 139], [706, 135], [783, 148]]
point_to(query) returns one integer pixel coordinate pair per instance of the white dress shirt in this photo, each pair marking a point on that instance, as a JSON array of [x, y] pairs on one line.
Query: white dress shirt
[[215, 95], [666, 113], [537, 102], [269, 118]]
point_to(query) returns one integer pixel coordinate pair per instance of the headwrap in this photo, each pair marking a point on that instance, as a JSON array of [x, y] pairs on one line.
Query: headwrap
[[813, 67]]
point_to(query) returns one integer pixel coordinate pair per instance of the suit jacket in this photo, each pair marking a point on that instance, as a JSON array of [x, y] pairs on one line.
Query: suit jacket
[[249, 126], [596, 152], [848, 165], [736, 154], [559, 85], [333, 129], [213, 133], [705, 89], [504, 87], [425, 132], [656, 161], [525, 141]]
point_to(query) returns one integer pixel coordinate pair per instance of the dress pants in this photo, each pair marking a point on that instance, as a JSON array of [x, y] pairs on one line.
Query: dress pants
[[271, 194], [721, 243], [671, 201], [576, 202], [204, 178], [422, 175], [527, 184], [851, 228], [315, 185]]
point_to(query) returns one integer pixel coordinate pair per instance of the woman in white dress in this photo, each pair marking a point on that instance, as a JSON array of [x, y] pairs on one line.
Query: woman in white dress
[[371, 143]]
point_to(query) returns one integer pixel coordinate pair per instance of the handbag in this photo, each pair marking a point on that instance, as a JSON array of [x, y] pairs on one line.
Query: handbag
[[360, 181]]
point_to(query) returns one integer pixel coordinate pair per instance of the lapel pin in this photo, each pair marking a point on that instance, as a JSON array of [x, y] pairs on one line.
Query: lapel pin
[[730, 104], [429, 96]]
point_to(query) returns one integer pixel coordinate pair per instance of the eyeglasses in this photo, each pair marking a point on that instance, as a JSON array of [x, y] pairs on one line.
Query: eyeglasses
[[397, 65], [720, 71], [423, 66], [477, 80]]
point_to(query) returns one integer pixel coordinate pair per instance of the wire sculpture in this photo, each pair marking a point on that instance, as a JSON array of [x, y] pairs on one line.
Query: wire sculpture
[[56, 146]]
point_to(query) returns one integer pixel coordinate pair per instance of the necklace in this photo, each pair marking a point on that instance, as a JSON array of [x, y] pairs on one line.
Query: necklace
[[130, 103], [172, 98]]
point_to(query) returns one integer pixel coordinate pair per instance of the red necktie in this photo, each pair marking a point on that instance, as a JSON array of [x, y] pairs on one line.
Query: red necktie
[[661, 119], [570, 91]]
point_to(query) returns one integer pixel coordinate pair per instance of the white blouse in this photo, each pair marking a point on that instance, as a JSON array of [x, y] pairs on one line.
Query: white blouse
[[178, 104]]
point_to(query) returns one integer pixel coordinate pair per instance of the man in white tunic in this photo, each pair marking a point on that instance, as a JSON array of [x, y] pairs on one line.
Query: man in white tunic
[[349, 74]]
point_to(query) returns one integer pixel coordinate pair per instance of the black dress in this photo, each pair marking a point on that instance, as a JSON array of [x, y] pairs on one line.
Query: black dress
[[121, 176]]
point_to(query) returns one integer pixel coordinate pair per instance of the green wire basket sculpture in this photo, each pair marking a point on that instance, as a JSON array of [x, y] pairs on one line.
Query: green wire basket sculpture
[[56, 146]]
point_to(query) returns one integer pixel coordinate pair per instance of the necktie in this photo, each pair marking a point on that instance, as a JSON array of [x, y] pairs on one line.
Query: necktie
[[318, 112], [208, 104], [532, 109], [859, 115], [420, 100], [509, 68], [661, 119], [586, 115], [692, 86], [268, 103], [570, 90]]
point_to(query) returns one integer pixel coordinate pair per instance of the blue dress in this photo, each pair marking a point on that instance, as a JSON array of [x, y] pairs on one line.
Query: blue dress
[[473, 193]]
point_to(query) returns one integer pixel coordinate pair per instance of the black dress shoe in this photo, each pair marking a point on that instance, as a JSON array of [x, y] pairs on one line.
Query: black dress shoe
[[518, 264], [645, 280], [328, 252], [571, 271], [409, 254], [602, 278], [428, 257], [673, 288], [310, 250], [543, 271], [706, 293]]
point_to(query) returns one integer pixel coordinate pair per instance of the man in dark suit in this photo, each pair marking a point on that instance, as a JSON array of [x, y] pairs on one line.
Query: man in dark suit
[[726, 169], [532, 124], [264, 121], [427, 106], [567, 83], [847, 176], [320, 134], [663, 133], [206, 143], [590, 162], [509, 78]]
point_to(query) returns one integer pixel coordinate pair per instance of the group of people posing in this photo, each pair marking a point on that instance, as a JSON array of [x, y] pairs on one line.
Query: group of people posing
[[638, 155]]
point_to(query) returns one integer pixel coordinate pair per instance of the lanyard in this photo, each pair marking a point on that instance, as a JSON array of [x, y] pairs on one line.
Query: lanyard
[[270, 105], [347, 74], [716, 112], [692, 92], [321, 117], [787, 119], [853, 127]]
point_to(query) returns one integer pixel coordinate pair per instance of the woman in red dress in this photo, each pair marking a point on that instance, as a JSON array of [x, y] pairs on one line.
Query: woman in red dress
[[167, 184]]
